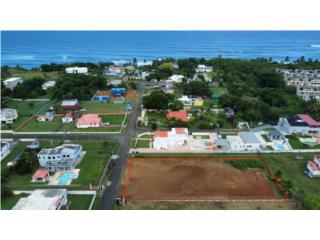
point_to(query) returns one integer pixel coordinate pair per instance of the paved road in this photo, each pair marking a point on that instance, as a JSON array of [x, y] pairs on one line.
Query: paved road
[[110, 194]]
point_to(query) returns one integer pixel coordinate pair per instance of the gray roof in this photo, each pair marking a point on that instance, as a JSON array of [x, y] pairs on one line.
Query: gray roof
[[249, 137]]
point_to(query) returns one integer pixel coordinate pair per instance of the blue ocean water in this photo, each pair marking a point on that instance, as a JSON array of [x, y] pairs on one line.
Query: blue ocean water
[[32, 48]]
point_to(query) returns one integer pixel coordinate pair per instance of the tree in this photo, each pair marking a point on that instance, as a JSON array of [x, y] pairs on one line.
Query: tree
[[176, 105], [156, 100], [27, 162], [154, 126], [5, 192], [166, 68]]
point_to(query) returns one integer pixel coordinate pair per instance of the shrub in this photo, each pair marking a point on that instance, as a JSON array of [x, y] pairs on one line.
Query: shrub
[[243, 165]]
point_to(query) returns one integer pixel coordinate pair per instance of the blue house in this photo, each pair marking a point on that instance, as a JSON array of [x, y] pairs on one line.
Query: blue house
[[118, 92], [101, 96]]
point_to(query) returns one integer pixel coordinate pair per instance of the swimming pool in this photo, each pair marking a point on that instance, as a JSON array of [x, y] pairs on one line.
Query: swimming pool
[[280, 146], [66, 178]]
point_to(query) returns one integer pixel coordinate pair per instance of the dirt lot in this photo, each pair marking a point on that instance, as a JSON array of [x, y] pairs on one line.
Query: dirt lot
[[204, 205], [194, 178]]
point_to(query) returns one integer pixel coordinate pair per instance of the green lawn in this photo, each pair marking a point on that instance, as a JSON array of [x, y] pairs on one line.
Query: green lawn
[[79, 202], [97, 202], [101, 107], [71, 127], [25, 110], [296, 144], [159, 118], [8, 203], [113, 119], [142, 143], [35, 126], [91, 166], [28, 74]]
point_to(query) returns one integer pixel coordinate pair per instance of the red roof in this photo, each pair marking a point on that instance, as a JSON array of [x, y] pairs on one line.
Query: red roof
[[40, 173], [314, 166], [308, 120], [160, 133], [90, 119], [180, 130], [69, 115], [179, 115]]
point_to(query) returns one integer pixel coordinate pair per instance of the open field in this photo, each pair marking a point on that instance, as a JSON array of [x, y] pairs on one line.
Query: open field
[[35, 126], [25, 110], [205, 205], [185, 179], [296, 144], [28, 74], [91, 166], [101, 107], [79, 202]]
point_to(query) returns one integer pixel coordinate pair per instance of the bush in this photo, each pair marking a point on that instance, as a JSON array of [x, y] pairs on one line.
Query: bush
[[154, 126], [27, 162], [5, 192], [245, 164], [311, 203]]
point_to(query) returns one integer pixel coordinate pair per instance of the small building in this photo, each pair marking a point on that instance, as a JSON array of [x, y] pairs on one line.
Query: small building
[[178, 115], [41, 175], [89, 120], [299, 124], [197, 102], [186, 101], [115, 82], [8, 115], [68, 117], [313, 169], [77, 70], [43, 199], [48, 84], [244, 141], [203, 69], [70, 104], [175, 78], [64, 157], [113, 71], [45, 118], [170, 139], [34, 145], [5, 149], [11, 83], [275, 135], [118, 92], [101, 96]]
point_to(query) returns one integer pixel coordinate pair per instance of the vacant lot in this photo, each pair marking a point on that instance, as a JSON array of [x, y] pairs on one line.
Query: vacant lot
[[158, 179], [79, 202], [101, 107], [35, 126]]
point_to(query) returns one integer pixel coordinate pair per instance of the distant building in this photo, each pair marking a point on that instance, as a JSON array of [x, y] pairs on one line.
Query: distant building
[[170, 139], [77, 70], [176, 78], [189, 102], [298, 77], [178, 115], [308, 92], [48, 84], [300, 124], [68, 117], [8, 115], [11, 83], [114, 82], [89, 120], [113, 71], [203, 69], [64, 157], [70, 104], [44, 199]]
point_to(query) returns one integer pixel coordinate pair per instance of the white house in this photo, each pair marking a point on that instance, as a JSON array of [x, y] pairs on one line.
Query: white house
[[48, 84], [77, 70], [300, 124], [186, 101], [45, 117], [203, 69], [176, 78], [68, 117], [170, 139], [64, 157], [8, 115], [244, 141], [43, 199], [5, 149], [12, 82]]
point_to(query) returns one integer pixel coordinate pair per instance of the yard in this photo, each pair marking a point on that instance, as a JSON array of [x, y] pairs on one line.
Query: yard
[[113, 119], [79, 202], [101, 107], [91, 166], [35, 126], [296, 144], [8, 203], [28, 74], [24, 109]]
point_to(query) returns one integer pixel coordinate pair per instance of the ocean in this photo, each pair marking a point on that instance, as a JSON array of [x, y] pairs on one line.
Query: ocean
[[32, 48]]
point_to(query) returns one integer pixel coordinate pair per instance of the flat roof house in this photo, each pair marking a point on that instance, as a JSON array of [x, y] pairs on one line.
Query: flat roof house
[[70, 104], [12, 82], [244, 141], [77, 70], [48, 84], [178, 115], [64, 157], [299, 124], [176, 78], [43, 199], [8, 115], [89, 120], [203, 69], [170, 139]]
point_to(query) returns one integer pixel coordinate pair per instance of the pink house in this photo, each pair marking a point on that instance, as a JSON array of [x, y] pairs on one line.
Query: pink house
[[89, 120], [40, 175]]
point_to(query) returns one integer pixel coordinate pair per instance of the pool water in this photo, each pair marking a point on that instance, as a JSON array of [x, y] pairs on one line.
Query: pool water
[[66, 178], [280, 147]]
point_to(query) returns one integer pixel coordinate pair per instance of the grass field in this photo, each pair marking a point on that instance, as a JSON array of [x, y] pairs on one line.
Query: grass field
[[28, 74], [35, 126], [79, 202], [296, 144], [91, 166], [9, 203], [101, 107], [113, 119], [25, 110]]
